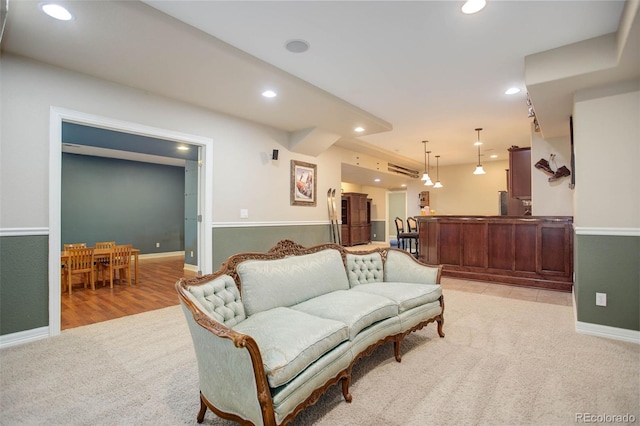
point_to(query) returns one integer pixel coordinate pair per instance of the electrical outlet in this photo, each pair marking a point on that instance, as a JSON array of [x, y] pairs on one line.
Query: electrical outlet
[[244, 214], [157, 244], [191, 253], [601, 299], [374, 235]]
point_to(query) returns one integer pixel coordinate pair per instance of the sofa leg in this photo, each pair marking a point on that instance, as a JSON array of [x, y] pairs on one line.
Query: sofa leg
[[346, 381], [440, 323], [203, 410], [396, 348]]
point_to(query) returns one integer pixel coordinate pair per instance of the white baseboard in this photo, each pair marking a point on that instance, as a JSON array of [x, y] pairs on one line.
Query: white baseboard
[[21, 337], [608, 332], [191, 268], [605, 331], [160, 255]]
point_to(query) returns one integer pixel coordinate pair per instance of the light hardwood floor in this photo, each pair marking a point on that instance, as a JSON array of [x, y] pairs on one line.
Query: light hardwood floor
[[158, 277], [155, 290]]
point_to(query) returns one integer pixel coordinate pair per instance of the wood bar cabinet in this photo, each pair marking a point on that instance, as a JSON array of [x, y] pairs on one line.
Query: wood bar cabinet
[[533, 251], [356, 218]]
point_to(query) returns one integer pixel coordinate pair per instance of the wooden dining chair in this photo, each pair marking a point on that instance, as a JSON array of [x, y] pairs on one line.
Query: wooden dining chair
[[104, 259], [63, 267], [81, 261], [120, 260], [74, 245]]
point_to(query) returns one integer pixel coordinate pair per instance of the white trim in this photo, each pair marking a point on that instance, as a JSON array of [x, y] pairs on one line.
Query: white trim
[[57, 116], [160, 255], [23, 232], [190, 268], [22, 337], [608, 332], [616, 232], [267, 224]]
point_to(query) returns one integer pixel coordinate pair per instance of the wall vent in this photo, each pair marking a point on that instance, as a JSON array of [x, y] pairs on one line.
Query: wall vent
[[403, 170]]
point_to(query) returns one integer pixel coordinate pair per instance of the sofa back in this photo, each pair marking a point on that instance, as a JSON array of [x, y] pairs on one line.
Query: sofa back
[[272, 283], [364, 268], [399, 267], [220, 298]]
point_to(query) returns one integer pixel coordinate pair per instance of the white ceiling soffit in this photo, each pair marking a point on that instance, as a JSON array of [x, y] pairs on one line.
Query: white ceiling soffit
[[134, 44], [553, 77]]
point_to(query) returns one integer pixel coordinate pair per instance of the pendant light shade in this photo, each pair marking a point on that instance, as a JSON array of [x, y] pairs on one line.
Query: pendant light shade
[[479, 169], [437, 184], [425, 176]]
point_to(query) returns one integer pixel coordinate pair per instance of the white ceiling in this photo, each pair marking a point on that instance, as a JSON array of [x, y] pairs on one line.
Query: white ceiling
[[406, 71]]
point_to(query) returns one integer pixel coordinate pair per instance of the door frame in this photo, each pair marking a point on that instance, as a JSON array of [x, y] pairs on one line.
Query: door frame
[[205, 192], [389, 218]]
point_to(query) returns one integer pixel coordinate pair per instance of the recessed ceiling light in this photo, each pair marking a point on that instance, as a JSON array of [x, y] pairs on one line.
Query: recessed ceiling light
[[297, 46], [493, 156], [269, 94], [359, 129], [512, 91], [473, 6], [376, 180], [56, 11], [183, 148]]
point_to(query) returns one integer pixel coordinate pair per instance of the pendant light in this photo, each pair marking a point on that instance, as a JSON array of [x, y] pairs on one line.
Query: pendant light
[[438, 184], [425, 176], [479, 169]]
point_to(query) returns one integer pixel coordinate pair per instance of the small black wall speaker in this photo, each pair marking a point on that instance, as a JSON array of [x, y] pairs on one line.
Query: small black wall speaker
[[274, 154]]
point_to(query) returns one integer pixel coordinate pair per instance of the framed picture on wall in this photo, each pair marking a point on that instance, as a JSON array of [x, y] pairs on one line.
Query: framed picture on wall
[[303, 183]]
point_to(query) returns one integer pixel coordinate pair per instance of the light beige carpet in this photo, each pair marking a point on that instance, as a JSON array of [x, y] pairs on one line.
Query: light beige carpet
[[502, 362]]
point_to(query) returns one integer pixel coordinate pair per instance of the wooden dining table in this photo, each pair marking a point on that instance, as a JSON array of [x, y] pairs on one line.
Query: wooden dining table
[[104, 254]]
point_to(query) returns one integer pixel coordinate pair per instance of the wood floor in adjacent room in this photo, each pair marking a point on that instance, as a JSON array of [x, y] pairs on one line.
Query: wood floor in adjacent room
[[154, 291], [158, 277]]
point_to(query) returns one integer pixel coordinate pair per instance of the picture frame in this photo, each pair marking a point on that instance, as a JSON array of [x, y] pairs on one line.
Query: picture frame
[[304, 179]]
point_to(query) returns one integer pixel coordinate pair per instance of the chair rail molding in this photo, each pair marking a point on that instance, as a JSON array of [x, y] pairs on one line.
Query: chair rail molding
[[23, 232], [615, 232]]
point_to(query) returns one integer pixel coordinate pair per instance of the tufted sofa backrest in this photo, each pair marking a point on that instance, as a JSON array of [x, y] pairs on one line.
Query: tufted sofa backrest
[[268, 284], [364, 268], [221, 299]]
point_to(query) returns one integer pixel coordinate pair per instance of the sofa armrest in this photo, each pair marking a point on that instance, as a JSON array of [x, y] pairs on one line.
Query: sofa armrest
[[401, 266], [231, 375]]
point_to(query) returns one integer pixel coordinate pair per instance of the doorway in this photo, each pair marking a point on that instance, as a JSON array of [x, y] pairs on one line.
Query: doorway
[[396, 207], [204, 180]]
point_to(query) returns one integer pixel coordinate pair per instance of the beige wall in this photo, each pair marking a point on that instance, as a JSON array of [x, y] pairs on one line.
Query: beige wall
[[607, 149], [463, 193], [245, 177], [551, 198]]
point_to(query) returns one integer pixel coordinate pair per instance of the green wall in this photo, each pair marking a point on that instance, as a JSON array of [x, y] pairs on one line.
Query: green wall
[[378, 229], [106, 199], [24, 293], [608, 264], [229, 241]]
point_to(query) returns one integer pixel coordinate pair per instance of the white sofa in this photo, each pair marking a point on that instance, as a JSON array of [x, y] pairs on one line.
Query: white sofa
[[272, 331]]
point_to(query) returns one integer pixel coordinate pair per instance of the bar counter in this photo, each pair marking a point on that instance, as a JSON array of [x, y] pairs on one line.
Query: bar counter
[[532, 251]]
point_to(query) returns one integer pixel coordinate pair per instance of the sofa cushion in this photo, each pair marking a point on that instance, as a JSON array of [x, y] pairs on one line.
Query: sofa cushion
[[268, 284], [290, 340], [221, 299], [405, 295], [357, 310], [364, 268], [403, 268]]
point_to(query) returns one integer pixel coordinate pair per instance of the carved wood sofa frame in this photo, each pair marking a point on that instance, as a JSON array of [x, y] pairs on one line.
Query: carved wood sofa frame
[[286, 248]]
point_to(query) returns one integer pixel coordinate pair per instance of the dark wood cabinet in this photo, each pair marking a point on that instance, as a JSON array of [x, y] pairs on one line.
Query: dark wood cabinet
[[520, 173], [535, 251], [356, 219]]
